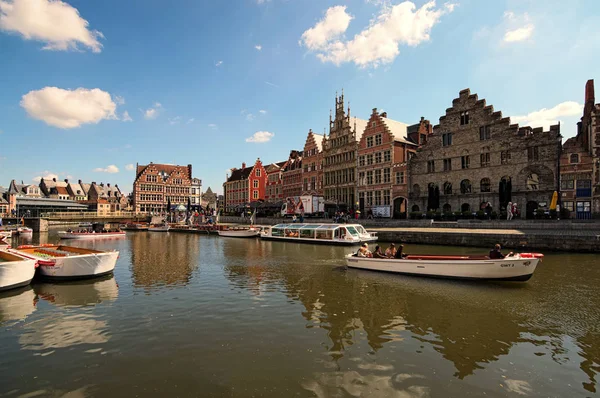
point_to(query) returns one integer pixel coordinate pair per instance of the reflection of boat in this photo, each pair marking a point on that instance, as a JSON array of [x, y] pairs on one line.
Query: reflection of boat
[[159, 228], [329, 234], [519, 267], [78, 292], [24, 231], [16, 305], [240, 232], [66, 262], [15, 270], [90, 235]]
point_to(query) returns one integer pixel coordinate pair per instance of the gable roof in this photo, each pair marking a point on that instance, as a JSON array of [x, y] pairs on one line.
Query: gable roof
[[240, 174], [75, 189], [166, 169], [361, 125], [319, 140], [398, 129]]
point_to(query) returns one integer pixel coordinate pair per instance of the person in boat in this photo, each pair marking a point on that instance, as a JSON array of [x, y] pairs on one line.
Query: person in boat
[[378, 254], [400, 252], [496, 254], [364, 251], [390, 252]]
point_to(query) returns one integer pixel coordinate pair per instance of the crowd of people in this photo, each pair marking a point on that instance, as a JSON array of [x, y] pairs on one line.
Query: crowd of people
[[390, 252]]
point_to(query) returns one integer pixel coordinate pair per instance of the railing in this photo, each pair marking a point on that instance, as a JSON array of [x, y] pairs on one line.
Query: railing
[[82, 215]]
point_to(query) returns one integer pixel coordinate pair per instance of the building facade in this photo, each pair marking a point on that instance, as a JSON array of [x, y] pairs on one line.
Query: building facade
[[196, 193], [383, 152], [156, 185], [475, 156], [339, 157], [274, 184], [312, 172], [291, 175], [245, 185]]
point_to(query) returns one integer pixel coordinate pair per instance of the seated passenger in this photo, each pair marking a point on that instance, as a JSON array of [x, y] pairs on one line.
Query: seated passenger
[[496, 254], [390, 252], [377, 253], [364, 251], [399, 253]]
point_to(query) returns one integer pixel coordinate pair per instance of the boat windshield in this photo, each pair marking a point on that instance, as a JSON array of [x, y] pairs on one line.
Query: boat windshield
[[361, 229], [352, 231]]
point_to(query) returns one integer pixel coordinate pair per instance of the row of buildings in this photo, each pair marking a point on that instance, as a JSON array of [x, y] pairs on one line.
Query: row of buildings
[[472, 157]]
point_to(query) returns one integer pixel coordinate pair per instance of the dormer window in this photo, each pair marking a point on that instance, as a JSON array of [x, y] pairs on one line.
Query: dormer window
[[574, 158], [464, 118]]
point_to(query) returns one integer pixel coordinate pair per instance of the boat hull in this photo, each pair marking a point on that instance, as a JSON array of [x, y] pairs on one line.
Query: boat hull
[[90, 236], [14, 274], [249, 233], [158, 229], [507, 269], [311, 241], [78, 267]]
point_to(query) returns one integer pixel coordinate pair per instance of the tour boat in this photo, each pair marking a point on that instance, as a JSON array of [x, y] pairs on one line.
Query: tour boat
[[15, 270], [90, 235], [364, 235], [159, 228], [67, 262], [328, 234], [518, 267], [240, 232]]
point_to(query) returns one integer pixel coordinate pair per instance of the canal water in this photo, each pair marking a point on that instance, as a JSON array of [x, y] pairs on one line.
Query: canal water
[[189, 315]]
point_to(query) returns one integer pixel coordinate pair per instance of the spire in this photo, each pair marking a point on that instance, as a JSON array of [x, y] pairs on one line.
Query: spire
[[12, 189], [348, 108]]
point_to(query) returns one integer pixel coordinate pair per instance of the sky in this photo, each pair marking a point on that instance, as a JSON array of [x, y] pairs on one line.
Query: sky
[[88, 89]]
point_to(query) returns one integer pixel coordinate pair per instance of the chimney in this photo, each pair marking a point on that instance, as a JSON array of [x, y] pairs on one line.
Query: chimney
[[102, 184], [108, 185], [383, 114], [54, 179], [93, 182], [422, 118], [79, 181], [243, 165], [66, 180], [589, 92], [374, 110]]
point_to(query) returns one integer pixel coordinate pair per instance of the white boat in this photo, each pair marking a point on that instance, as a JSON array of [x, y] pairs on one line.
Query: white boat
[[24, 231], [15, 270], [240, 233], [519, 267], [159, 228], [327, 234], [85, 225], [365, 236], [90, 235], [67, 262], [135, 227]]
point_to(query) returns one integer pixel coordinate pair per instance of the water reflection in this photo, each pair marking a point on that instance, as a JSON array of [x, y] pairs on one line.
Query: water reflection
[[79, 293], [16, 305], [160, 259]]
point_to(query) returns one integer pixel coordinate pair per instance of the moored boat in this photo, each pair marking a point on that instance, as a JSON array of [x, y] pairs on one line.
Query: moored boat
[[24, 231], [518, 267], [15, 270], [135, 227], [240, 232], [324, 234], [67, 262], [159, 227], [90, 235]]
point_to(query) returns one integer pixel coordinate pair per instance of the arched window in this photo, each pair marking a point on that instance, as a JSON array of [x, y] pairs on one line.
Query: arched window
[[465, 207], [465, 186], [485, 185], [447, 188], [415, 208], [447, 208], [574, 158], [416, 190]]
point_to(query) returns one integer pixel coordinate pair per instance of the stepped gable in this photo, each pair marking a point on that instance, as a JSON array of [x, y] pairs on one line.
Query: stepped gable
[[166, 171]]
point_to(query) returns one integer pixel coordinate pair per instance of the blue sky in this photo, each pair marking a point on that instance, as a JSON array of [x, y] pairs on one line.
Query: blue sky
[[199, 79]]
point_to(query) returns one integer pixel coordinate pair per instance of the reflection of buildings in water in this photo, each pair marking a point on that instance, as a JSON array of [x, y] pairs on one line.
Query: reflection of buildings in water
[[63, 331], [163, 258], [16, 305], [589, 344], [79, 293]]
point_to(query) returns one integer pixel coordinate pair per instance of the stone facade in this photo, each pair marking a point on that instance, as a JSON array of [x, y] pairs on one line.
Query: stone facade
[[312, 172], [339, 157], [475, 156], [383, 151], [157, 184], [292, 175]]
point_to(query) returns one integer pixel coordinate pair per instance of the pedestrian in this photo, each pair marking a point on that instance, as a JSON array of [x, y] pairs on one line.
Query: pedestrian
[[557, 213], [509, 211], [301, 217], [294, 218]]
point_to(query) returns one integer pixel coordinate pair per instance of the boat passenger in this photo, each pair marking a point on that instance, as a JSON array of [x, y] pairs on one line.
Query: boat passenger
[[390, 252], [377, 253], [399, 253], [496, 254], [364, 251]]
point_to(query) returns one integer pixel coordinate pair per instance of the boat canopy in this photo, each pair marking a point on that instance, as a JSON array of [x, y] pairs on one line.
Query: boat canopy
[[310, 226]]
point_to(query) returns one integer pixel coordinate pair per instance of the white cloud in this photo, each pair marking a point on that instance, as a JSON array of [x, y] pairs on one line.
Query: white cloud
[[126, 117], [258, 47], [403, 23], [191, 120], [119, 100], [55, 23], [175, 120], [212, 126], [69, 108], [260, 137], [519, 34], [272, 84], [111, 169], [130, 167], [219, 63], [152, 113], [263, 112], [517, 27], [47, 175], [547, 117], [250, 117]]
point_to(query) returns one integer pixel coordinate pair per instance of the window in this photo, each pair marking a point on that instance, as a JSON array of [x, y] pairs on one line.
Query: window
[[373, 124], [386, 175], [370, 198], [504, 157], [151, 178], [423, 139], [465, 161], [361, 178], [378, 176], [369, 159], [447, 188], [377, 198], [386, 197], [399, 177], [369, 142], [255, 183], [569, 206], [370, 177], [485, 159], [361, 160], [584, 184], [464, 118], [431, 166], [532, 154], [484, 133], [447, 164], [446, 139], [574, 158], [378, 157], [378, 139], [485, 185], [387, 156], [255, 194], [258, 172], [465, 186]]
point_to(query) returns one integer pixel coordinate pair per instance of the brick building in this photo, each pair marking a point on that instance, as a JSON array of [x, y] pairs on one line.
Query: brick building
[[274, 184], [156, 184], [292, 175], [475, 156], [312, 172], [383, 152], [579, 162], [245, 185], [339, 157]]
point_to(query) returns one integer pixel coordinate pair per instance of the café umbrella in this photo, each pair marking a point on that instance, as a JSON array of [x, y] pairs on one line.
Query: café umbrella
[[554, 201]]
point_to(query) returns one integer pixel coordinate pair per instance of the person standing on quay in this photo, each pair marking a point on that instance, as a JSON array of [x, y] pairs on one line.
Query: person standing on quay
[[509, 213]]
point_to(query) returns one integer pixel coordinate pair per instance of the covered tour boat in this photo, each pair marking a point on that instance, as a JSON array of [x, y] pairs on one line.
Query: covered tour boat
[[67, 262], [15, 270], [328, 234], [518, 267], [251, 232]]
